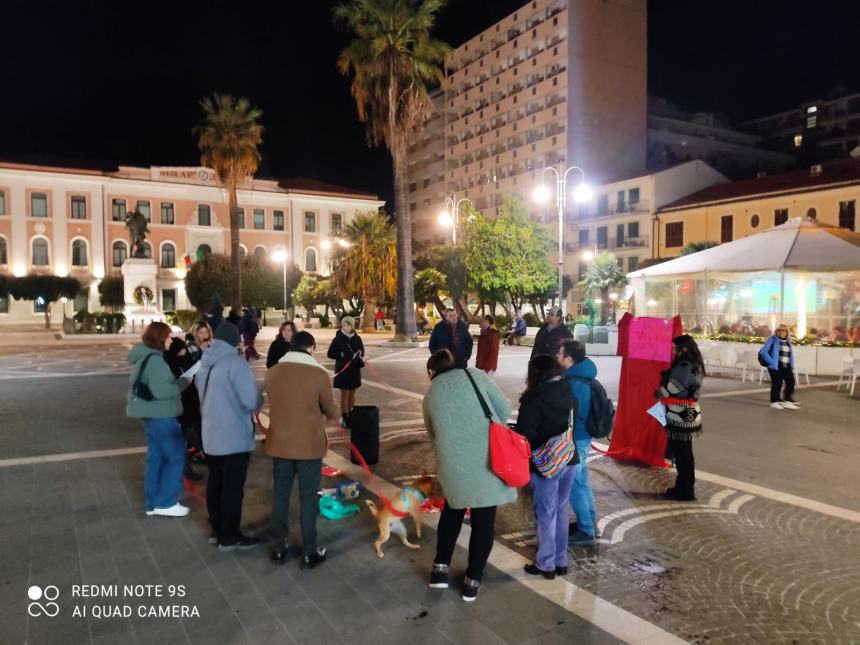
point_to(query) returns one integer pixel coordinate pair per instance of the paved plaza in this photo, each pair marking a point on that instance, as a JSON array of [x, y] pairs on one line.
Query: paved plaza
[[770, 552]]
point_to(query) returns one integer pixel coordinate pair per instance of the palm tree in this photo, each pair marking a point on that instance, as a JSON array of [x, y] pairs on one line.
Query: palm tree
[[603, 275], [391, 60], [228, 140], [367, 266], [695, 247]]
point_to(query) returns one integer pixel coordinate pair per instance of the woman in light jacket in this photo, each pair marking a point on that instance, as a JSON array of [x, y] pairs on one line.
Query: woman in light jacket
[[460, 434], [156, 401]]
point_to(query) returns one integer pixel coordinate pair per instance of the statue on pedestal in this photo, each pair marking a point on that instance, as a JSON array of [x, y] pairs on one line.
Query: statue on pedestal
[[137, 227]]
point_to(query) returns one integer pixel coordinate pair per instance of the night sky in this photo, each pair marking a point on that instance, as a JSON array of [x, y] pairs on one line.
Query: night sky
[[121, 81]]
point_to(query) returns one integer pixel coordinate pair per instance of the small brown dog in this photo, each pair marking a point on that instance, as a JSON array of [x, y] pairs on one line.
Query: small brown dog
[[408, 502]]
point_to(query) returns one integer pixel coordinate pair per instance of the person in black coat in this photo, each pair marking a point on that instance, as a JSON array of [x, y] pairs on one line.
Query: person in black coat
[[281, 345], [347, 350], [547, 408], [453, 335], [179, 359], [551, 334]]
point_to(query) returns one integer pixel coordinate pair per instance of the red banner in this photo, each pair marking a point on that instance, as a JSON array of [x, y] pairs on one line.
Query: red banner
[[645, 345]]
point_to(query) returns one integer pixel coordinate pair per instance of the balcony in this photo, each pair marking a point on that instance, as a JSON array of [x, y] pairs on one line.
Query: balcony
[[557, 9], [513, 33], [533, 80], [555, 99], [534, 21]]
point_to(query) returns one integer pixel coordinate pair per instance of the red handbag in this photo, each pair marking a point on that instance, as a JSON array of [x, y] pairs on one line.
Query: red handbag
[[509, 450]]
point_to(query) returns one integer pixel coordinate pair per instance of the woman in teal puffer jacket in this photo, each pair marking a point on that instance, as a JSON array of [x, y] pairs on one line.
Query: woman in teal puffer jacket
[[157, 404]]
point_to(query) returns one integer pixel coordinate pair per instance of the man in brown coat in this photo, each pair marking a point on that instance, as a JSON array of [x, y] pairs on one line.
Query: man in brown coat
[[300, 398]]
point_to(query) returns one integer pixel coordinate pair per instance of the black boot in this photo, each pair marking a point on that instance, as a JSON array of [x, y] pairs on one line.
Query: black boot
[[345, 421]]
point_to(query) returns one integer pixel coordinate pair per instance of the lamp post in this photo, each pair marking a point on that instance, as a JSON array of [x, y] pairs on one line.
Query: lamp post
[[542, 194], [450, 216], [281, 256]]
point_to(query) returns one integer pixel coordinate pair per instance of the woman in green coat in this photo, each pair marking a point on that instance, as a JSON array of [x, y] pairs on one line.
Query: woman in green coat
[[460, 434], [155, 398]]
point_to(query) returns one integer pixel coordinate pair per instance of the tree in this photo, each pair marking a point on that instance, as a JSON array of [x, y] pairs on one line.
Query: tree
[[430, 283], [390, 61], [367, 267], [602, 276], [263, 283], [112, 292], [695, 247], [228, 140], [314, 290], [45, 288], [509, 254]]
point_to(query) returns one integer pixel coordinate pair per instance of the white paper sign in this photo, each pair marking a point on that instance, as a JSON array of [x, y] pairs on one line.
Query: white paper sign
[[658, 411], [191, 371]]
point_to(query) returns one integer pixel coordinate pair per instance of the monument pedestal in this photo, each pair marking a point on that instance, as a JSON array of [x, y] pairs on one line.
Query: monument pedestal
[[140, 272]]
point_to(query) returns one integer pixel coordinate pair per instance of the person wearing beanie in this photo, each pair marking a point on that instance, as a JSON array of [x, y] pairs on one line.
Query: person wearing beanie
[[347, 350], [551, 334], [228, 399]]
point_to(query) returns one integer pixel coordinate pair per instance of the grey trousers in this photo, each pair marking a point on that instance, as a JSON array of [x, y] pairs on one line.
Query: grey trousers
[[308, 472]]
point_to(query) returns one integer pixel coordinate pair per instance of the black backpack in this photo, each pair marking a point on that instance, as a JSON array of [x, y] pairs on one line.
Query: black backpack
[[601, 415]]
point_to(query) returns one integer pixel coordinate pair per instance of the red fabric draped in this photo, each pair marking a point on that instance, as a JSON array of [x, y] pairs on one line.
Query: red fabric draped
[[645, 345]]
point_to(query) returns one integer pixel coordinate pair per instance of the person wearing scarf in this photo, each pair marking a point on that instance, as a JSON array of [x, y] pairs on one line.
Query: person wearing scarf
[[347, 350]]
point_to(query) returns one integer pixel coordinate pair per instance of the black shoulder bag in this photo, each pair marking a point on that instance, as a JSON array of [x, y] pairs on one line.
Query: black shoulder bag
[[139, 389]]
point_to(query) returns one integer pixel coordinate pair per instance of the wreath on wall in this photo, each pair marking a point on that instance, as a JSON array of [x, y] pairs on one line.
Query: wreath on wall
[[143, 295]]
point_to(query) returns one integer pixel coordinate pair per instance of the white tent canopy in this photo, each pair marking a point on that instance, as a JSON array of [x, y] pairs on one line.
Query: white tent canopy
[[796, 245]]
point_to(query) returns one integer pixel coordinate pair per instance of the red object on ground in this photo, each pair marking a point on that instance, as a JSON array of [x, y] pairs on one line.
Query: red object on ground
[[645, 345], [331, 471]]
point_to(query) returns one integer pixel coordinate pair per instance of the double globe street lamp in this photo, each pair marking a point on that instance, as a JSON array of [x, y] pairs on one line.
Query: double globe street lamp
[[542, 194], [450, 216]]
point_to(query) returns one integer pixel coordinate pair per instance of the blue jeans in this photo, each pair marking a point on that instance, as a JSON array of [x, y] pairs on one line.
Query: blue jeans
[[581, 497], [165, 460], [551, 517]]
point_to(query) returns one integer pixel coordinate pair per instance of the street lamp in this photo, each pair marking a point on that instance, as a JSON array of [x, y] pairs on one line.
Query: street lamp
[[281, 256], [542, 194], [590, 254], [451, 215]]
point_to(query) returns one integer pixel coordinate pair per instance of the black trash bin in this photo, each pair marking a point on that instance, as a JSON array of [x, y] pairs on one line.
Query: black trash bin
[[364, 432]]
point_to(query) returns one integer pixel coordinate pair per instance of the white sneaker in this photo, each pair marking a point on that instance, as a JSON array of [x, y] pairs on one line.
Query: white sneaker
[[788, 405], [177, 510], [776, 405]]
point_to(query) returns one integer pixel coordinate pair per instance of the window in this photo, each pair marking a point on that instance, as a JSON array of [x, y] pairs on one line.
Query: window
[[754, 221], [602, 237], [2, 202], [674, 235], [310, 222], [846, 215], [633, 229], [812, 214], [243, 252], [168, 299], [811, 116], [798, 140], [204, 215], [79, 207], [336, 223], [632, 263], [118, 210], [583, 236], [780, 216], [621, 205], [260, 252], [167, 214], [40, 252], [311, 260], [603, 205], [120, 253], [240, 216], [726, 228], [619, 234], [168, 256], [278, 220], [203, 251], [79, 253], [633, 196], [147, 250], [145, 209], [38, 205], [259, 219], [4, 256]]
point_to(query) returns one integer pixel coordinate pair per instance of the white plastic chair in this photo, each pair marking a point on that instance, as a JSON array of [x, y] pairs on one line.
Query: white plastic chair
[[846, 374], [748, 360], [855, 374]]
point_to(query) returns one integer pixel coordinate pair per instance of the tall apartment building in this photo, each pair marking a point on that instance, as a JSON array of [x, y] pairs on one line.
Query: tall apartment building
[[816, 131], [71, 221], [557, 81]]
